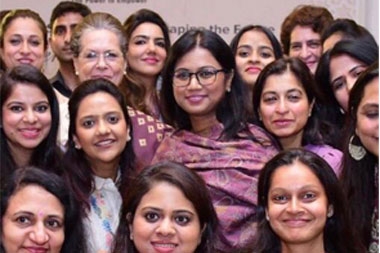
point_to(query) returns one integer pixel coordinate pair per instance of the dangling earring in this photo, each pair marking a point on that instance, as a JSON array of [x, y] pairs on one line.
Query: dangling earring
[[357, 152], [330, 211]]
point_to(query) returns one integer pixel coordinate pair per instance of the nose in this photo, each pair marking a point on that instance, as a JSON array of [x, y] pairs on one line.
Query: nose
[[101, 63], [165, 228], [30, 116], [193, 82], [350, 84], [294, 206], [151, 46], [255, 56], [39, 234], [282, 107], [25, 47], [304, 52], [103, 128], [67, 36]]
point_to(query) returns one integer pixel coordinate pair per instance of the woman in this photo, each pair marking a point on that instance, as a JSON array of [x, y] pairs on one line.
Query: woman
[[302, 207], [97, 55], [361, 158], [201, 97], [23, 39], [301, 33], [148, 44], [168, 204], [254, 47], [29, 121], [99, 159], [39, 214], [288, 111]]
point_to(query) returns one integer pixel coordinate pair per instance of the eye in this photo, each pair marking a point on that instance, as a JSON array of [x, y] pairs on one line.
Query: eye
[[91, 55], [16, 108], [243, 53], [206, 73], [309, 196], [59, 31], [53, 223], [111, 55], [372, 114], [182, 75], [140, 42], [338, 84], [295, 47], [113, 119], [280, 198], [35, 42], [269, 99], [23, 220], [266, 54], [294, 97], [160, 43], [41, 108], [314, 44], [15, 41], [182, 220], [88, 123], [151, 216]]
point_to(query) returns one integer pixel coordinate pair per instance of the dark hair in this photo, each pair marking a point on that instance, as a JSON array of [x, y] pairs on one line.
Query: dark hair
[[77, 168], [338, 237], [54, 184], [22, 13], [315, 17], [349, 30], [3, 13], [229, 112], [191, 185], [64, 7], [134, 89], [359, 49], [277, 50], [312, 132], [358, 177], [46, 155], [97, 21]]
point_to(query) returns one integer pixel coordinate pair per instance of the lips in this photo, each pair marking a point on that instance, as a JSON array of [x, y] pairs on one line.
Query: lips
[[195, 98], [36, 249], [104, 143], [162, 247], [253, 70], [282, 122], [30, 133], [25, 60], [296, 223], [151, 60]]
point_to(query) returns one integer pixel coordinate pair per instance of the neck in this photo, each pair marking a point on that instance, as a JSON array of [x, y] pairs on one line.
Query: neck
[[315, 246], [203, 124], [21, 156], [106, 169], [68, 74], [294, 141]]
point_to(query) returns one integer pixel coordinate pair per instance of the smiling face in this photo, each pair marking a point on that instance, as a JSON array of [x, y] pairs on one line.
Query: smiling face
[[23, 44], [297, 205], [254, 52], [201, 101], [101, 130], [33, 222], [367, 126], [284, 109], [26, 118], [100, 57], [146, 52], [165, 221], [344, 71], [305, 44]]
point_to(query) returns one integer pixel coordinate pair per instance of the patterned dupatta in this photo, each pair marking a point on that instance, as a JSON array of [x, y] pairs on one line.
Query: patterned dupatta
[[230, 170]]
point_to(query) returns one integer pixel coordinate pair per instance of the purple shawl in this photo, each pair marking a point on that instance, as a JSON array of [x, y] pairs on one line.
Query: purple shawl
[[230, 170]]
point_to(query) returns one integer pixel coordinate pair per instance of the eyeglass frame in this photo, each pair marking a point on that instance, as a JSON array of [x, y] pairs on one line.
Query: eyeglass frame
[[107, 56], [191, 74]]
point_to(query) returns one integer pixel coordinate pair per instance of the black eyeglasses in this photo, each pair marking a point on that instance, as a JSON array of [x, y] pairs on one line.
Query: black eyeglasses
[[204, 77]]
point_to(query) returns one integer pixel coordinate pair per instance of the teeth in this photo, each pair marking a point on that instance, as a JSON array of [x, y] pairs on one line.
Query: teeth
[[165, 245], [105, 142]]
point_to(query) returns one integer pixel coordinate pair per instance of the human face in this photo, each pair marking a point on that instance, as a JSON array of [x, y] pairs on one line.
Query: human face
[[200, 102], [26, 117], [146, 52], [33, 222], [306, 45], [367, 125], [254, 52], [23, 44], [61, 34], [331, 41], [101, 130], [344, 71], [165, 221], [284, 109], [100, 57], [297, 205]]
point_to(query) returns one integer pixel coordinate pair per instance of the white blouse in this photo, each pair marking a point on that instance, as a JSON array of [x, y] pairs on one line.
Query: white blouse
[[103, 219]]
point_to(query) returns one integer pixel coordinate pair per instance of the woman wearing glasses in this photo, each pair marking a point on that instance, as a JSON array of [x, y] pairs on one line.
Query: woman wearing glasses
[[201, 97]]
